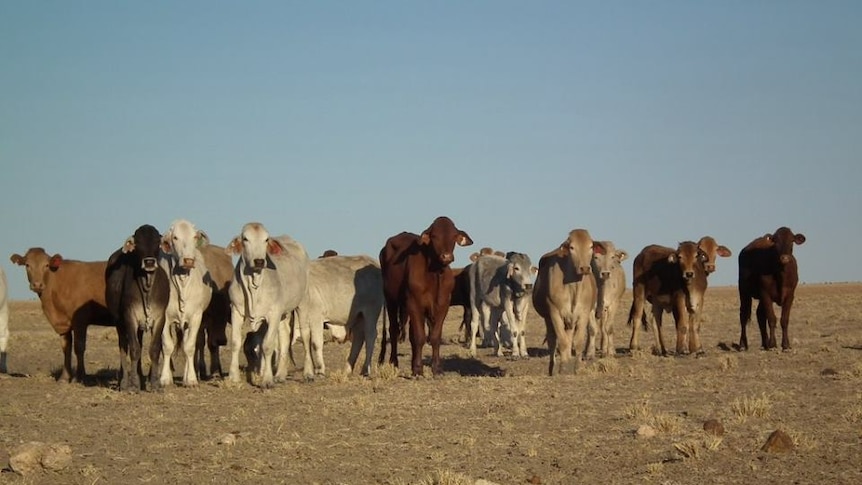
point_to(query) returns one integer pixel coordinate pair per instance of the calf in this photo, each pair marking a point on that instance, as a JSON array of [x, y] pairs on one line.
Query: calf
[[4, 321], [137, 294], [269, 281], [674, 281], [346, 292], [461, 294], [417, 286], [768, 273], [499, 285], [72, 294], [190, 294], [611, 281], [565, 297]]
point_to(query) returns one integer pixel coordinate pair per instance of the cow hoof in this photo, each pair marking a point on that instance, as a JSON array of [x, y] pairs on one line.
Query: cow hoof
[[308, 378]]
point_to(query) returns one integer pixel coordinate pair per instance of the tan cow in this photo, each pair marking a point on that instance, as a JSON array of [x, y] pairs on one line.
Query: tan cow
[[72, 295], [564, 295], [611, 281]]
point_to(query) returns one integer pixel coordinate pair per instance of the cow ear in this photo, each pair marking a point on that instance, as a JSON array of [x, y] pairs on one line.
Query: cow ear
[[274, 247], [499, 253], [622, 255], [474, 257], [425, 238], [799, 239], [464, 239], [724, 252], [486, 250], [510, 268], [202, 239], [599, 248], [768, 237], [672, 258], [235, 246], [534, 269], [166, 243], [55, 261], [129, 245], [17, 259]]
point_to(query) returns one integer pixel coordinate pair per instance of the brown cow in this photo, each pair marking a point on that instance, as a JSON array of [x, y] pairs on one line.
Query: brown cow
[[417, 285], [768, 273], [673, 281], [72, 295], [564, 295], [217, 314]]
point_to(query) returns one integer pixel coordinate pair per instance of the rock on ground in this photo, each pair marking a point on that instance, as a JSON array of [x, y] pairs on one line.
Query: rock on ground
[[35, 455]]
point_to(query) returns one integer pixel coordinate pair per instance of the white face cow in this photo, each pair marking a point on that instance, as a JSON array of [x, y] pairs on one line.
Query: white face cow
[[253, 245], [519, 273], [183, 242]]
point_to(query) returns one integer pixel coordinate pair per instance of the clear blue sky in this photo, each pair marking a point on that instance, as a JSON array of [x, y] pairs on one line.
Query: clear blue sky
[[343, 123]]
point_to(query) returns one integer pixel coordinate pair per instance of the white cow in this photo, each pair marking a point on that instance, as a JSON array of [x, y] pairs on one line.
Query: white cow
[[270, 280], [4, 320], [500, 286], [611, 282], [345, 292], [191, 291]]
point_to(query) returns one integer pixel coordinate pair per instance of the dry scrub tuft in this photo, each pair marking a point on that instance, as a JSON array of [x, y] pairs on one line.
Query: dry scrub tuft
[[747, 407]]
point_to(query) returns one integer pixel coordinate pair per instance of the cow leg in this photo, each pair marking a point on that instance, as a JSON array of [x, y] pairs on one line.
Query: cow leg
[[136, 375], [66, 344], [394, 328], [657, 314], [168, 343], [607, 324], [475, 323], [357, 340], [785, 322], [268, 347], [79, 340], [559, 342], [317, 346], [492, 317], [155, 352], [636, 315], [286, 329], [370, 321], [767, 337], [306, 321], [235, 344], [694, 345], [190, 343], [417, 343], [744, 318], [680, 315], [585, 336]]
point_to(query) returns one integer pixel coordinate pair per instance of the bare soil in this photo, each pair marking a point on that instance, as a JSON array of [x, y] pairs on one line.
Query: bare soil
[[490, 418]]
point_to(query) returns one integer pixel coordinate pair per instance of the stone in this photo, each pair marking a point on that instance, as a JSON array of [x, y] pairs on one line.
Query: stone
[[778, 442], [713, 427], [35, 455]]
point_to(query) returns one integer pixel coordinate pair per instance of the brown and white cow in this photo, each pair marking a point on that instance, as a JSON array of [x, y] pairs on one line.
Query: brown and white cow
[[675, 281], [72, 294], [768, 273], [417, 286], [564, 295]]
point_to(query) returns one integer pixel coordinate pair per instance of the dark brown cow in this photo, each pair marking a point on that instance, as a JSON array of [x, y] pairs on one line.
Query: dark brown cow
[[417, 285], [137, 292], [72, 295], [217, 315], [673, 281], [768, 273]]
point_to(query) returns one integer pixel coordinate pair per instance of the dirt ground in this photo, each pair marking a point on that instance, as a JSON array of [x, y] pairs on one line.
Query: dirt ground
[[495, 419]]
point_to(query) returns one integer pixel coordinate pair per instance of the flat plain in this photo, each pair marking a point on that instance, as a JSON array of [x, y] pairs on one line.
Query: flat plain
[[490, 418]]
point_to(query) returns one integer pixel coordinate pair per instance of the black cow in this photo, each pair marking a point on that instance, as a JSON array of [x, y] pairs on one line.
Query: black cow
[[136, 293]]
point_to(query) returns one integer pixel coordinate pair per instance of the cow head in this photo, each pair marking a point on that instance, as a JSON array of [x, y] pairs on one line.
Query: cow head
[[38, 265], [441, 238], [183, 241], [783, 240], [519, 273], [689, 258], [580, 248], [253, 245], [145, 243], [712, 250], [604, 263]]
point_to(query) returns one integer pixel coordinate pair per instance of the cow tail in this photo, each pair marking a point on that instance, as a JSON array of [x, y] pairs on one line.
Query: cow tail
[[383, 340], [294, 320]]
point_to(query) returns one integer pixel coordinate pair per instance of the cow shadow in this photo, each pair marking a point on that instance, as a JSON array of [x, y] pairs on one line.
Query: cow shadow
[[538, 351], [470, 367], [107, 378]]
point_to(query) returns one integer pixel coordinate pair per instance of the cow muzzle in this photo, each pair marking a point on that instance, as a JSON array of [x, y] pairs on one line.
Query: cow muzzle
[[188, 263], [447, 258], [709, 268], [688, 275], [148, 264], [785, 258], [258, 264], [605, 275], [37, 288]]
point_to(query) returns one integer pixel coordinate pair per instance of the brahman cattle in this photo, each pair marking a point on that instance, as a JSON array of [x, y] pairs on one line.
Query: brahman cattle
[[4, 321], [768, 273], [137, 294], [417, 286], [611, 282], [217, 314], [190, 294], [72, 294], [269, 281], [564, 295], [345, 292], [675, 281], [500, 285], [461, 294]]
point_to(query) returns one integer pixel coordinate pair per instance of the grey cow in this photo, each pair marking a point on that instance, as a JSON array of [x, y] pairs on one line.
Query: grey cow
[[611, 282], [501, 285]]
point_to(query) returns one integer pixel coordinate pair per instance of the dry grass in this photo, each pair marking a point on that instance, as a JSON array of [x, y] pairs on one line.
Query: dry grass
[[747, 407]]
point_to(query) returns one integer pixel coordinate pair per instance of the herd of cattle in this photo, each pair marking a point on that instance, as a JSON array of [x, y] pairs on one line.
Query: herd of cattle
[[177, 289]]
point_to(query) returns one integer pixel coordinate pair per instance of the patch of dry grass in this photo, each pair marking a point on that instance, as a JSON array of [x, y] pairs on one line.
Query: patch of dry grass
[[442, 477], [728, 363], [746, 407], [387, 372]]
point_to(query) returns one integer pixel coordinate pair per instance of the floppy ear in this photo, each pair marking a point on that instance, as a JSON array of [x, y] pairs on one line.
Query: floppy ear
[[509, 270], [273, 246], [534, 269], [234, 246], [425, 238], [202, 239], [474, 257], [499, 253], [166, 243], [799, 239], [622, 255], [55, 262], [17, 259], [599, 248], [723, 251], [464, 239], [129, 245], [672, 259]]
